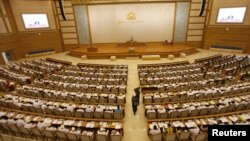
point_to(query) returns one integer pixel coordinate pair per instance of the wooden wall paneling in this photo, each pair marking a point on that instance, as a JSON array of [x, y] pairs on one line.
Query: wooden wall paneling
[[228, 36], [33, 41], [3, 28], [195, 32], [68, 29], [9, 41]]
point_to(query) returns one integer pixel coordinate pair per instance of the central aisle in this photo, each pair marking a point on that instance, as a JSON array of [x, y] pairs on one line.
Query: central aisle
[[135, 126]]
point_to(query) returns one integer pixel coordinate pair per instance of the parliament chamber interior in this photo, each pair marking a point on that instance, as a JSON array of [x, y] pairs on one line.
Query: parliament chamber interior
[[123, 70]]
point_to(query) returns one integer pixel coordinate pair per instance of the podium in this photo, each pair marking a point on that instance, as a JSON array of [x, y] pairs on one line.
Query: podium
[[131, 50], [92, 49]]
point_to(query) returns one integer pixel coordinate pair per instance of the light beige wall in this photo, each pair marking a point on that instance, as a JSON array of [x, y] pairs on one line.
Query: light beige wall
[[32, 6], [229, 3], [152, 22]]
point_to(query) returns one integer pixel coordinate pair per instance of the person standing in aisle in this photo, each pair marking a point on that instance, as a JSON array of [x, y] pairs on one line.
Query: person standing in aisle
[[134, 104], [137, 94]]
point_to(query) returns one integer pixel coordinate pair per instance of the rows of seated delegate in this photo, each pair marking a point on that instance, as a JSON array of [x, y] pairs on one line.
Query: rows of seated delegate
[[92, 76], [68, 109], [36, 68], [78, 87], [210, 83], [209, 101], [161, 74], [79, 97], [193, 129], [14, 76], [26, 71], [200, 108], [87, 106], [43, 127], [75, 90], [191, 95], [183, 78]]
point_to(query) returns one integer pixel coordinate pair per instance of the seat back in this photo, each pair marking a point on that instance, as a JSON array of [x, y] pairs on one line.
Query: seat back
[[86, 138], [223, 110], [88, 115], [13, 128], [147, 100], [173, 114], [108, 115], [111, 100], [72, 137], [36, 132], [48, 134], [184, 113], [162, 115], [48, 111], [151, 115], [118, 115], [58, 112], [157, 100], [194, 112], [68, 113], [101, 137], [156, 137], [120, 100], [231, 108], [184, 136], [98, 115], [116, 137], [201, 137], [78, 114], [102, 100], [61, 135], [213, 110], [239, 107], [203, 111], [170, 137]]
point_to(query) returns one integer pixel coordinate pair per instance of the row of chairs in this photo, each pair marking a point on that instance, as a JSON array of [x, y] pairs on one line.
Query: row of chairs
[[71, 96], [184, 95], [86, 88], [88, 80], [198, 112], [177, 79], [65, 112], [194, 85], [183, 136]]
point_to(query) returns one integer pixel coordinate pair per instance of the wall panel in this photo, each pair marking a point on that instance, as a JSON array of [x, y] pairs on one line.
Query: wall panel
[[228, 36], [181, 21], [82, 23]]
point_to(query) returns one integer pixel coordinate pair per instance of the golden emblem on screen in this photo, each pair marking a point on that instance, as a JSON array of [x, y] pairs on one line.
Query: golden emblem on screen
[[131, 16]]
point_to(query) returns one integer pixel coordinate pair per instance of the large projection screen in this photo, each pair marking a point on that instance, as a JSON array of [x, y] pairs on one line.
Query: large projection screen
[[117, 23]]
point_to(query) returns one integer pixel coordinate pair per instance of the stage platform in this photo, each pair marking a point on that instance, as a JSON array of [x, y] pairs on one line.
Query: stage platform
[[105, 51]]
